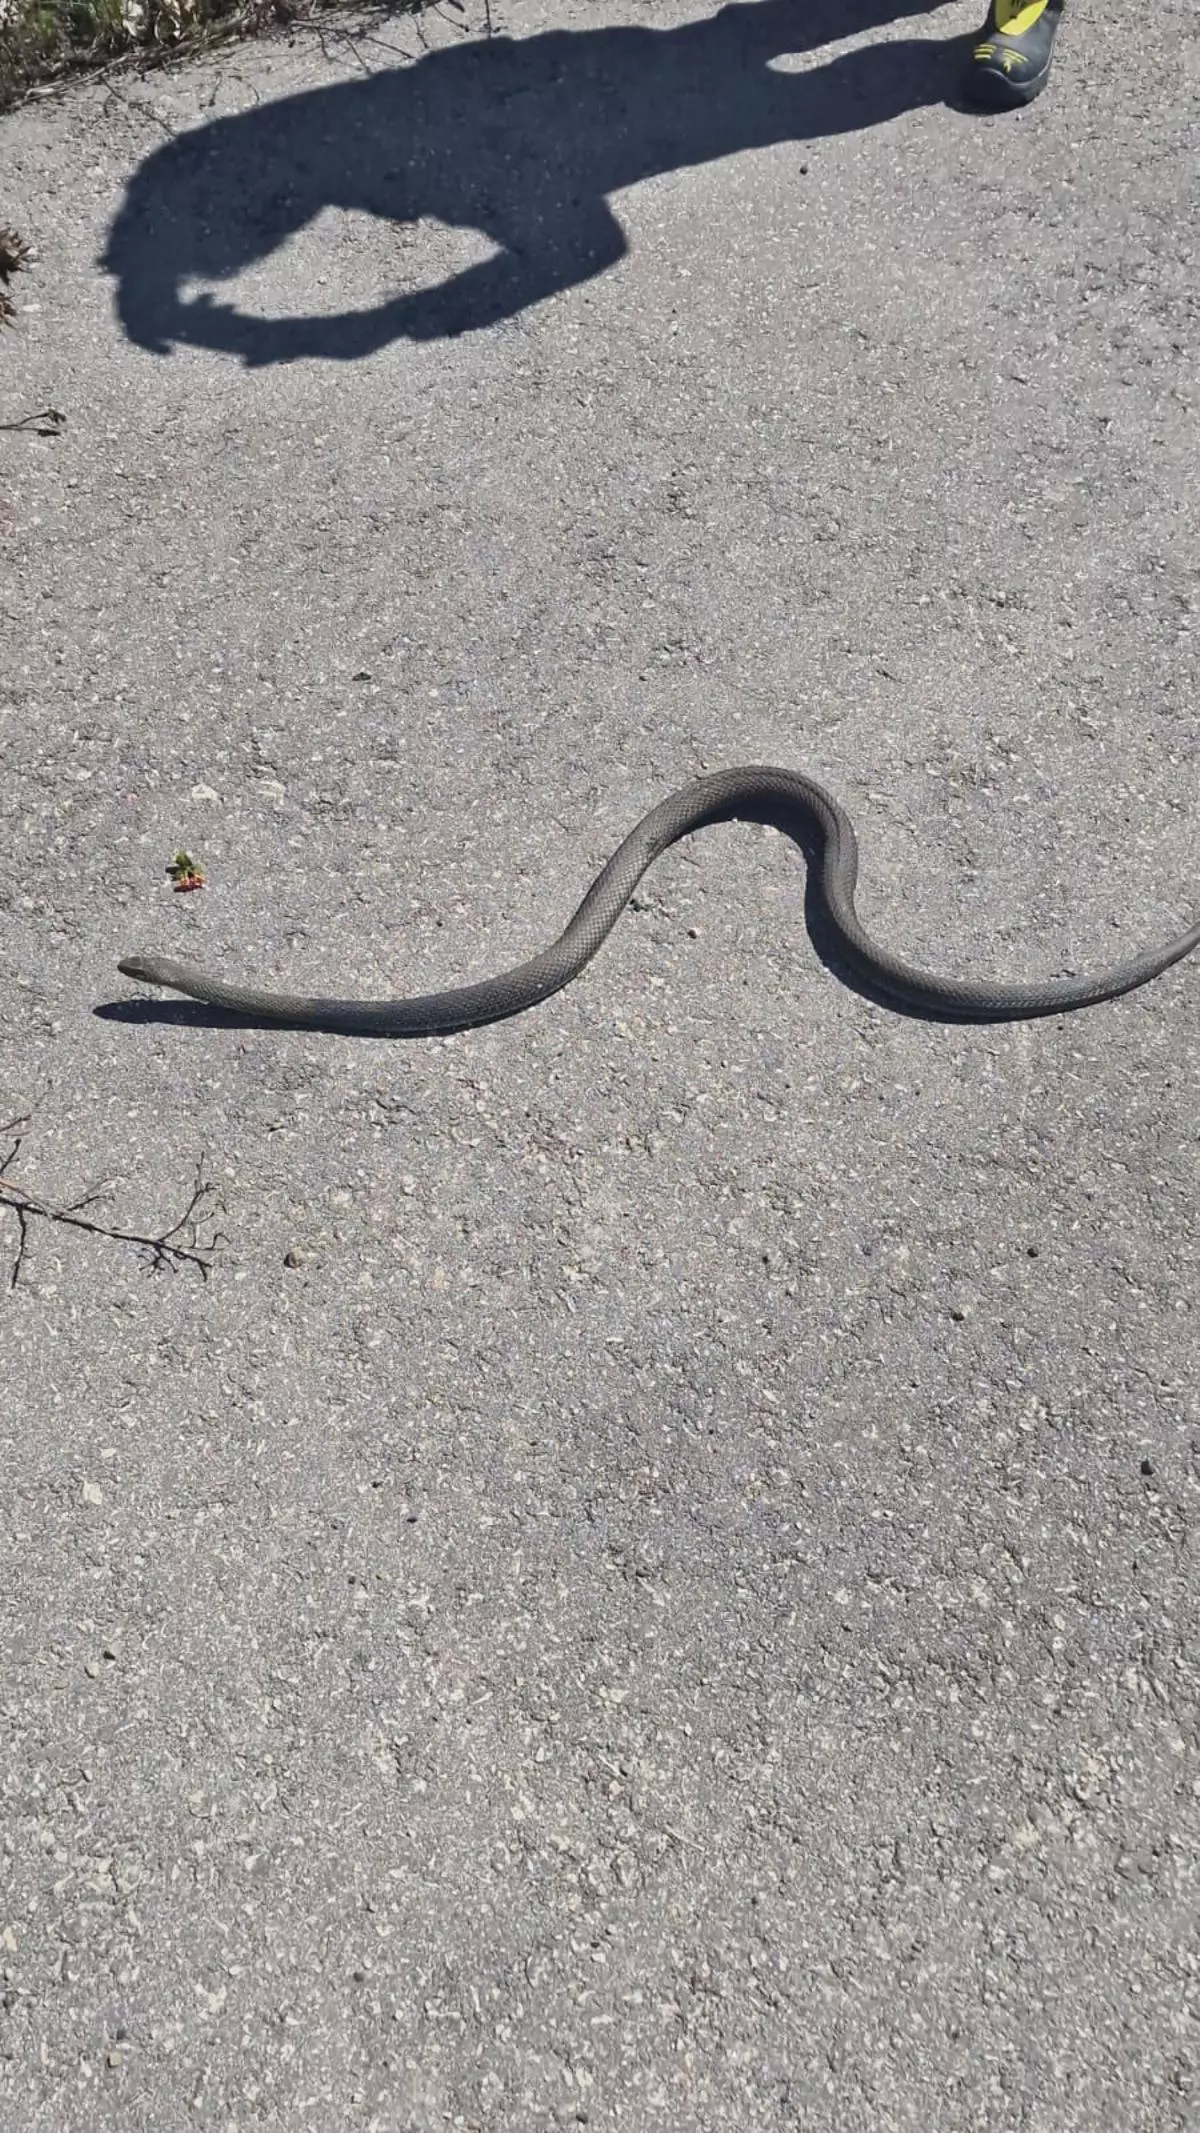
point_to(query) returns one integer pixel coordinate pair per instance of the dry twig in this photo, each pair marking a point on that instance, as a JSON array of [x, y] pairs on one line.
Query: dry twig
[[178, 1245], [48, 422]]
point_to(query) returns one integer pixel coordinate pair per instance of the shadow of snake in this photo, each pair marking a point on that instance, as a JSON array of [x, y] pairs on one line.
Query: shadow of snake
[[785, 799]]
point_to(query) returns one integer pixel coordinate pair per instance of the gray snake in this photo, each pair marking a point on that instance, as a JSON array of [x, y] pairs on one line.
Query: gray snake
[[792, 803]]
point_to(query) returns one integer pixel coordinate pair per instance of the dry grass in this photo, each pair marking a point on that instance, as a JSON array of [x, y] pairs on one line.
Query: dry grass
[[14, 254], [42, 42]]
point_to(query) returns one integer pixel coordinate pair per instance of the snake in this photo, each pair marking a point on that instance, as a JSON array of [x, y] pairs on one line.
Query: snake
[[784, 799]]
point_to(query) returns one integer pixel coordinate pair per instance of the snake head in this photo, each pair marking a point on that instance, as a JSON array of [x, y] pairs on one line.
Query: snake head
[[148, 970]]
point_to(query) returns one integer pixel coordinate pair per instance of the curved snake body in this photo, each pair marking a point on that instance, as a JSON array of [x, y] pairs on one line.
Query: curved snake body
[[789, 801]]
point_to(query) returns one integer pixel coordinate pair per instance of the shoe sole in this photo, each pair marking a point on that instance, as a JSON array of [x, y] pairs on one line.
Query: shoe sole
[[998, 92]]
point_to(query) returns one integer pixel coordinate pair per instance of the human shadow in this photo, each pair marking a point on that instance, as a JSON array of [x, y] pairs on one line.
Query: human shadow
[[522, 141]]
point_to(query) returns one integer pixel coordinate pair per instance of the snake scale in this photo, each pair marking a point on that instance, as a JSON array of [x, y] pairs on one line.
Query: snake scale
[[790, 802]]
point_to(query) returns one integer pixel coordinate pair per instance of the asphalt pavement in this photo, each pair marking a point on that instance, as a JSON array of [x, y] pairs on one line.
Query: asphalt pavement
[[636, 1567]]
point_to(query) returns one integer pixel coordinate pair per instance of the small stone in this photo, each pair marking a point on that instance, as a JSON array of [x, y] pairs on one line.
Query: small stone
[[92, 1493], [205, 792], [1147, 1466]]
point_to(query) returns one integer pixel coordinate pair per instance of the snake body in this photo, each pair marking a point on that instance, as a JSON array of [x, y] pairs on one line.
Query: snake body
[[789, 801]]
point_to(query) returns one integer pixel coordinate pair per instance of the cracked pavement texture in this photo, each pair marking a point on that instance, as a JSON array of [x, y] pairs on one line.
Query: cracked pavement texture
[[654, 1585]]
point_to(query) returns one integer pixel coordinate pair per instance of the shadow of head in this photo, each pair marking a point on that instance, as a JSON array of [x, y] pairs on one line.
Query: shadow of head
[[522, 142]]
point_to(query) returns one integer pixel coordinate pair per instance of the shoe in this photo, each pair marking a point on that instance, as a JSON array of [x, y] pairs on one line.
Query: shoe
[[1010, 64]]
